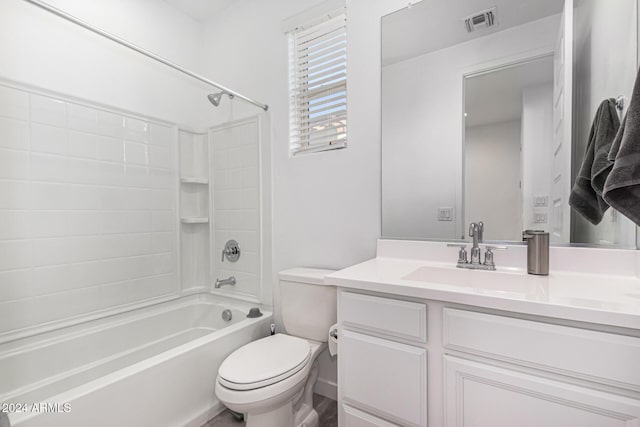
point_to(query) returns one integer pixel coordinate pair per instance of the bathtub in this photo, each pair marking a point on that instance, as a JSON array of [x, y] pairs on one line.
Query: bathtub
[[154, 366]]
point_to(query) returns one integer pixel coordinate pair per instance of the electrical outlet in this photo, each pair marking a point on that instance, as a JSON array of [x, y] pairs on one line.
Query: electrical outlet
[[540, 218], [445, 214]]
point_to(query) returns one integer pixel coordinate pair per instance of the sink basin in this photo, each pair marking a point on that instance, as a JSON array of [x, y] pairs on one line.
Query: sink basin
[[500, 281]]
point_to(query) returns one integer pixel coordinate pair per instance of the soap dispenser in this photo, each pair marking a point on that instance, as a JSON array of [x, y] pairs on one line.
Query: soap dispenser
[[537, 251]]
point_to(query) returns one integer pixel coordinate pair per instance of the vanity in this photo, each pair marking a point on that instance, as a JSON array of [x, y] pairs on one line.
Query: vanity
[[422, 343]]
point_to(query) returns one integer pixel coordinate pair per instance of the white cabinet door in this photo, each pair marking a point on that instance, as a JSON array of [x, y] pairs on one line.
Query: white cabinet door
[[479, 395], [384, 377], [355, 418]]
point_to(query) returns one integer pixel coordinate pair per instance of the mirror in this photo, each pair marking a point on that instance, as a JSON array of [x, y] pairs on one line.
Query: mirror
[[482, 120]]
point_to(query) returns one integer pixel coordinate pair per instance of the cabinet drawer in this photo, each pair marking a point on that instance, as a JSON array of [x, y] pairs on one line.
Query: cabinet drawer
[[479, 395], [388, 316], [597, 356], [352, 417], [384, 377]]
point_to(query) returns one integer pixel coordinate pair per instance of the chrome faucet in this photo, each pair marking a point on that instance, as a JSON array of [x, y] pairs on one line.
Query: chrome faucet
[[475, 231], [230, 281], [475, 250]]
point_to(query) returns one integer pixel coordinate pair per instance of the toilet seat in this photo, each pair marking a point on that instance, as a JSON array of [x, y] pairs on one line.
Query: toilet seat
[[264, 362]]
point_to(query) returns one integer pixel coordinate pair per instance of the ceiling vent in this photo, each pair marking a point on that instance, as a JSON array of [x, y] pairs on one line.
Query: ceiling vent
[[481, 20]]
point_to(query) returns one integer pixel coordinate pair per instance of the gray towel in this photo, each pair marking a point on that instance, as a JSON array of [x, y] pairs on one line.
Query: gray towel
[[622, 187], [586, 195]]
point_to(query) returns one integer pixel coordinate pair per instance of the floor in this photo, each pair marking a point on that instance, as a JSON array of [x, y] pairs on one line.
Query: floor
[[327, 410]]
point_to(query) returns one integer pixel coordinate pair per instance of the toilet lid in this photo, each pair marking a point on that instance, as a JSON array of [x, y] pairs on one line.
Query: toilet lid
[[264, 362]]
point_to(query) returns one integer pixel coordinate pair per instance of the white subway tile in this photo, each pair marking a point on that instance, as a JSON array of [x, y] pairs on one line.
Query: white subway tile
[[14, 164], [111, 173], [84, 197], [161, 179], [15, 195], [137, 176], [49, 196], [111, 149], [162, 221], [52, 251], [14, 134], [250, 177], [234, 179], [85, 223], [162, 135], [110, 124], [219, 160], [13, 285], [160, 199], [160, 157], [84, 171], [137, 244], [82, 118], [15, 254], [136, 153], [48, 111], [48, 139], [80, 144], [14, 225], [136, 130], [45, 167], [47, 223], [14, 103], [250, 199], [162, 242]]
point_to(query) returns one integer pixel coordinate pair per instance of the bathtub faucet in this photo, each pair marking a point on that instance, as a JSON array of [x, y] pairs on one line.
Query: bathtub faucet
[[230, 281]]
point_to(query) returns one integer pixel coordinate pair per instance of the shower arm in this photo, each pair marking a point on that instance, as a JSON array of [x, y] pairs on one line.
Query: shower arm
[[148, 54]]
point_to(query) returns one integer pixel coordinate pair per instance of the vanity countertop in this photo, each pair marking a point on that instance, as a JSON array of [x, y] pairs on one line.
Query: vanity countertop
[[586, 297]]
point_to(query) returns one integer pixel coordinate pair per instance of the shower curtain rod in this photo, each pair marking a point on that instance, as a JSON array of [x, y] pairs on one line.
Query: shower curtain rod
[[144, 52]]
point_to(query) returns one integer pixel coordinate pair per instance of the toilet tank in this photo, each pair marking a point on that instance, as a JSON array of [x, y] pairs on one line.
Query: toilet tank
[[308, 306]]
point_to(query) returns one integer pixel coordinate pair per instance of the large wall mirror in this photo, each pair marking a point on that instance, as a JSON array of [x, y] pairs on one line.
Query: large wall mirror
[[487, 107]]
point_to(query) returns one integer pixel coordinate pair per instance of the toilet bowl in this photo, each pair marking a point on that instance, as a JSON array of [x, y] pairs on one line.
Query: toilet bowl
[[271, 380]]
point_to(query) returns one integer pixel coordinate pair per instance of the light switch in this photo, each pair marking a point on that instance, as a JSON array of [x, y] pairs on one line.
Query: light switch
[[445, 214], [540, 201]]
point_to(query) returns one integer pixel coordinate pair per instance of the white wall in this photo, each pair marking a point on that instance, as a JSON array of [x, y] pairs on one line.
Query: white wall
[[326, 206], [45, 51], [537, 146], [492, 193], [605, 50], [423, 122]]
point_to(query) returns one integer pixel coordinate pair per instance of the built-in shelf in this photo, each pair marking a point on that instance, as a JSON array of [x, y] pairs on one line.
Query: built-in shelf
[[194, 220], [194, 180]]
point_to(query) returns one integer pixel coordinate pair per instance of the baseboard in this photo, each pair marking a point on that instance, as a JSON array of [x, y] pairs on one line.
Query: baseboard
[[206, 415], [326, 388]]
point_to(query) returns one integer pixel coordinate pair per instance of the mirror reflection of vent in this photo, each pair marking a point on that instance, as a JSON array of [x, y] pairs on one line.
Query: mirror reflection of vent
[[481, 20]]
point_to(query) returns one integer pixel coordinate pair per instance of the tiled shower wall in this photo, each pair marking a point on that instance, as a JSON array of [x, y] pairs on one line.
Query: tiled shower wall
[[236, 203], [87, 210]]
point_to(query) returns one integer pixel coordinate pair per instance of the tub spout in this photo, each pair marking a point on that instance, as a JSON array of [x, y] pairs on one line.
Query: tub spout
[[230, 281]]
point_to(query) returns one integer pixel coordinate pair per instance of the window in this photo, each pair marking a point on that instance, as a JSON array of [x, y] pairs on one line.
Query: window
[[318, 85]]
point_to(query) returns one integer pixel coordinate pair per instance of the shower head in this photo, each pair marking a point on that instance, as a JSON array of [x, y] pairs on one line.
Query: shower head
[[215, 98]]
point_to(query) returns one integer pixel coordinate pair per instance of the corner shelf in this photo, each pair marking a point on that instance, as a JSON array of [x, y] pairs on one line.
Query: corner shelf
[[194, 180], [194, 220]]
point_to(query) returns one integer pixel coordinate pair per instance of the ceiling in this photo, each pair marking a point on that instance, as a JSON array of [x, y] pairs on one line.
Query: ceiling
[[436, 24], [496, 96], [200, 10]]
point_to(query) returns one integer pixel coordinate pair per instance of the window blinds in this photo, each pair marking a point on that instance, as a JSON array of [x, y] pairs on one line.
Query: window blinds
[[318, 86]]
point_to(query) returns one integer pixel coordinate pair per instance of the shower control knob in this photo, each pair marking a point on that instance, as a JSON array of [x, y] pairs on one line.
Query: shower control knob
[[231, 251]]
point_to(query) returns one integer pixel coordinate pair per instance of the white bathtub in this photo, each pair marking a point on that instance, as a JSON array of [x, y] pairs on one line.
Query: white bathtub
[[150, 367]]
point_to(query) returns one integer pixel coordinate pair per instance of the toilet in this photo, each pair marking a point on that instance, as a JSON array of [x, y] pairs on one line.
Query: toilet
[[271, 380]]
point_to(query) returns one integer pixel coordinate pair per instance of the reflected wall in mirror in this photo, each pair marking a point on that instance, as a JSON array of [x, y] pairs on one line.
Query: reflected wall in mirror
[[478, 119]]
